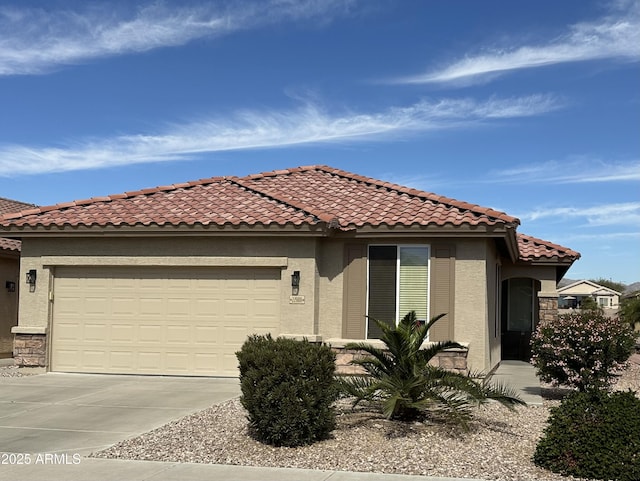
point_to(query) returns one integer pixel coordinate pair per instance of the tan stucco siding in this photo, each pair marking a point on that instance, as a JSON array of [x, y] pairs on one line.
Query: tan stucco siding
[[320, 262], [471, 301], [9, 267], [493, 307], [545, 274], [330, 288]]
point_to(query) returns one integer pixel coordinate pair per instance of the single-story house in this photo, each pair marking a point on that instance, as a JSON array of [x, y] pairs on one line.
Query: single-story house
[[9, 270], [172, 279], [572, 295]]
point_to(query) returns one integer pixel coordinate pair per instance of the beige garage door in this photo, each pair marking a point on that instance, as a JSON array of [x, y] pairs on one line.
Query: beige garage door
[[177, 321]]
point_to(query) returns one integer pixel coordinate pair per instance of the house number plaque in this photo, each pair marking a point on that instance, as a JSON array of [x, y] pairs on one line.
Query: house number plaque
[[296, 299]]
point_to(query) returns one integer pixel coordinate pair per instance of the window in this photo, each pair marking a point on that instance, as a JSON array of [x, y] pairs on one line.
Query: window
[[603, 301], [398, 283]]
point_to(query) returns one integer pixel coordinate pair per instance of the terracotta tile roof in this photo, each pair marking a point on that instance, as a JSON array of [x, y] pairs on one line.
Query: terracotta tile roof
[[353, 200], [7, 206], [216, 201], [304, 195], [10, 244], [532, 249]]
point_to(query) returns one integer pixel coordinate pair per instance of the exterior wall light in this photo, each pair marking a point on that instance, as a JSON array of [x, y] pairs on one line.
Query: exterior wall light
[[295, 283], [11, 286], [31, 279]]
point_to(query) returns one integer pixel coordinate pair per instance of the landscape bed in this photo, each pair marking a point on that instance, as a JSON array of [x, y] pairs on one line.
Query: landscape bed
[[499, 445]]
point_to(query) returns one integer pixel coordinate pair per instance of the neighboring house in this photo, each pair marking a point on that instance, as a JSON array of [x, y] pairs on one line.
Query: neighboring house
[[572, 295], [9, 270], [171, 280]]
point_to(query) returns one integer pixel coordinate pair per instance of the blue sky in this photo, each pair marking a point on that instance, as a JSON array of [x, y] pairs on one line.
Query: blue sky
[[532, 108]]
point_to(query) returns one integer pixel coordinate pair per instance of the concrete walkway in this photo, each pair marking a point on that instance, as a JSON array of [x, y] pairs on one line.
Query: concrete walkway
[[116, 470], [520, 376], [56, 465]]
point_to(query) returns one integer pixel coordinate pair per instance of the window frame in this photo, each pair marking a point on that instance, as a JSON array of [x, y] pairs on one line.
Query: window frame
[[398, 247]]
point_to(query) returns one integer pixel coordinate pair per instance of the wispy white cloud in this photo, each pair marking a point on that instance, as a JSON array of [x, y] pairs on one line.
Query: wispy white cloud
[[624, 213], [608, 236], [34, 41], [616, 36], [577, 170], [309, 124]]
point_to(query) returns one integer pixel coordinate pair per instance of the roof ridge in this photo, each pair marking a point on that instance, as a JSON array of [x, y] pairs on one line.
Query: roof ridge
[[109, 198], [320, 214], [15, 201], [389, 185], [422, 193]]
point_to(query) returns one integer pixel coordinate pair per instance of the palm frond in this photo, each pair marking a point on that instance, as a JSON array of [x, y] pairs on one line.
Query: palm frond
[[401, 377]]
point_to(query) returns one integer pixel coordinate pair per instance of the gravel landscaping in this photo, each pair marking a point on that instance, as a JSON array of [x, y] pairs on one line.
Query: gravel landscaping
[[498, 447], [15, 371]]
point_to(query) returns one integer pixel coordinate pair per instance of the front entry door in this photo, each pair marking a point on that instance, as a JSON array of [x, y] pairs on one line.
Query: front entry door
[[519, 318]]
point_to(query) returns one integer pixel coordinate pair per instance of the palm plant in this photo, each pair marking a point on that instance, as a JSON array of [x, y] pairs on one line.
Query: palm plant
[[401, 378]]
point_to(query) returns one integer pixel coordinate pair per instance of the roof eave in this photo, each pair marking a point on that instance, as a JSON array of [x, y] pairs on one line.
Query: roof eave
[[139, 230]]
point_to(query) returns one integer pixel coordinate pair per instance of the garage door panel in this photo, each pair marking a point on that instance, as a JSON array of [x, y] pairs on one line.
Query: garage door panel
[[123, 307], [179, 335], [187, 321], [95, 332], [69, 331], [152, 307], [119, 360], [207, 335], [122, 333]]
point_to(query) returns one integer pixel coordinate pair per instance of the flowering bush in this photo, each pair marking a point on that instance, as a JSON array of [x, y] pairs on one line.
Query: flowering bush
[[581, 350]]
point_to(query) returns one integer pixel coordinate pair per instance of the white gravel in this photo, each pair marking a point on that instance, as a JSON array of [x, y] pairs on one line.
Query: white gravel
[[499, 446], [15, 371]]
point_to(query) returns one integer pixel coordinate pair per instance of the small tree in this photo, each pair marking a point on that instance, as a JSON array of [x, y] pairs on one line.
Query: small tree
[[616, 286], [589, 304], [630, 310], [581, 350], [408, 387]]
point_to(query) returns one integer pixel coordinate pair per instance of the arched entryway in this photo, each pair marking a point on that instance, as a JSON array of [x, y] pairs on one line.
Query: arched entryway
[[520, 314]]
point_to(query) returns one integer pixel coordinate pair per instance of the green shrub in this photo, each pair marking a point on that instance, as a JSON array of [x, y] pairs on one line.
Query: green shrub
[[581, 350], [593, 435], [288, 390]]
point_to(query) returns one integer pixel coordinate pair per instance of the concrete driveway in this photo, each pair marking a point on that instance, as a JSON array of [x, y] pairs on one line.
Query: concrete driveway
[[83, 413]]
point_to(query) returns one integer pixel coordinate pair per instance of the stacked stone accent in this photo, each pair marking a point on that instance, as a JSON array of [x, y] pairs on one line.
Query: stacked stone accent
[[30, 350], [548, 309], [452, 359]]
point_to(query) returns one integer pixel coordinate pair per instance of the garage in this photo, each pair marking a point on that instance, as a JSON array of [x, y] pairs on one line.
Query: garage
[[159, 320]]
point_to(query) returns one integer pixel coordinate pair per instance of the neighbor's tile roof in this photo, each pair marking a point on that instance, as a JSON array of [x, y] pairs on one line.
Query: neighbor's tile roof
[[10, 244], [304, 195], [7, 206], [532, 249]]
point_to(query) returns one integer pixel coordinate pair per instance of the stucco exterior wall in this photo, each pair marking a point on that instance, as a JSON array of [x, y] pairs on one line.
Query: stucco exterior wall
[[545, 274], [471, 302], [330, 288], [9, 268], [494, 268], [319, 260]]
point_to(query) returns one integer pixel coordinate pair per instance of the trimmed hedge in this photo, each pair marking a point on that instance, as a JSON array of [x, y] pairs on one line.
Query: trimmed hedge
[[288, 390], [593, 435]]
